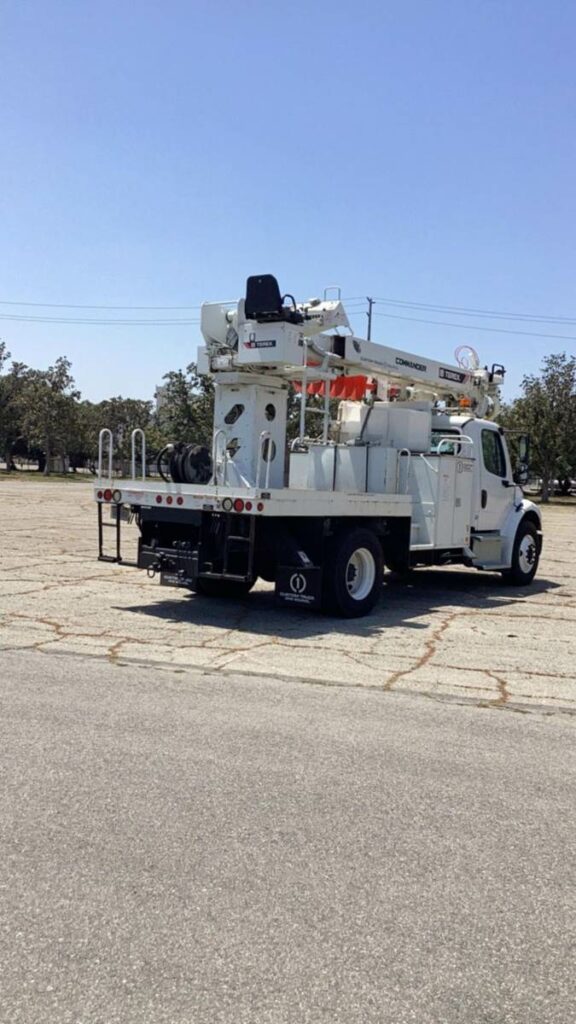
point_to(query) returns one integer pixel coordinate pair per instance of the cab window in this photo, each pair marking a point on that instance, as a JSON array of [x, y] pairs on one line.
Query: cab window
[[493, 452], [448, 447]]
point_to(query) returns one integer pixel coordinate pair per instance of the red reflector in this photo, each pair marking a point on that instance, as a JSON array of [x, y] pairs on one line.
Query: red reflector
[[238, 505], [158, 499], [169, 499], [180, 501], [260, 506], [107, 494], [248, 506], [99, 494]]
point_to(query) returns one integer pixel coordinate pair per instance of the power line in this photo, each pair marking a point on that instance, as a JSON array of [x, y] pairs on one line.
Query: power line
[[99, 321], [72, 305], [489, 314], [475, 327], [464, 310], [356, 306]]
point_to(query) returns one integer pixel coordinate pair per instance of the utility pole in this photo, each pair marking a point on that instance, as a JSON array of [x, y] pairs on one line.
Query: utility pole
[[369, 315]]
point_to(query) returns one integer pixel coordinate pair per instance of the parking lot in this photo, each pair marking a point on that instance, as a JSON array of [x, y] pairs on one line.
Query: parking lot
[[229, 812], [455, 634]]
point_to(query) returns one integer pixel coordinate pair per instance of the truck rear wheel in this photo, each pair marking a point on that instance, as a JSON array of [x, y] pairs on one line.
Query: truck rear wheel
[[223, 588], [525, 556], [352, 574]]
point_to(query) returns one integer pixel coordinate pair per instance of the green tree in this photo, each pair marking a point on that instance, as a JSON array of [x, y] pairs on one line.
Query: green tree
[[186, 407], [547, 412], [122, 416], [47, 406], [13, 380]]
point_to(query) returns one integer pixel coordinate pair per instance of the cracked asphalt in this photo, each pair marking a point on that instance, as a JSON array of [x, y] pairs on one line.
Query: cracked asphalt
[[453, 633], [228, 813]]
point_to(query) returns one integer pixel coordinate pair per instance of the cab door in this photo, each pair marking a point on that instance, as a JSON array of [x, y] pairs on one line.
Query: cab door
[[495, 486]]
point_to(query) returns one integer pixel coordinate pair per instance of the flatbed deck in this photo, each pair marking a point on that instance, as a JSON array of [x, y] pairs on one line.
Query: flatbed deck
[[283, 502]]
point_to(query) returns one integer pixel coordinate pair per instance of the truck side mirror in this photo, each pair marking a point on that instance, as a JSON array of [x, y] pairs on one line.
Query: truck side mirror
[[521, 473], [522, 468]]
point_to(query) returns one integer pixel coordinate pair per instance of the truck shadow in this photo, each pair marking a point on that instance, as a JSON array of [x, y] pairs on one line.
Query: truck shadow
[[403, 600]]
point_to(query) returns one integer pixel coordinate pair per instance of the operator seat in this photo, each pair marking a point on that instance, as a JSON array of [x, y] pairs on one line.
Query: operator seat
[[265, 304]]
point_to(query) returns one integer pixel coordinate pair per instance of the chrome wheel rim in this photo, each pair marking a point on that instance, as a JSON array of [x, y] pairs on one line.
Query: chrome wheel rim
[[527, 553], [360, 574]]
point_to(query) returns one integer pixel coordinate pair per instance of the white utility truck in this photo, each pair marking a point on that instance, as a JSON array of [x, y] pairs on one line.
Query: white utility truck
[[410, 471]]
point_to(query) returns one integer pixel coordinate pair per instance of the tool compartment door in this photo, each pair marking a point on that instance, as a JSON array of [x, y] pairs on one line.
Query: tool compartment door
[[454, 495], [441, 486]]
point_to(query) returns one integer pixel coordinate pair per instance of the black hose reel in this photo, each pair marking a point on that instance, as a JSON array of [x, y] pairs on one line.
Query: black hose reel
[[184, 463]]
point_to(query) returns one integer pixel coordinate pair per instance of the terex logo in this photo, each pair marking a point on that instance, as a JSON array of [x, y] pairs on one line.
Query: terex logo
[[454, 375], [412, 366]]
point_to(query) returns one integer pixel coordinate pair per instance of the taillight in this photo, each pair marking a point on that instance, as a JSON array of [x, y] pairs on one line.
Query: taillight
[[169, 499], [180, 500], [117, 496], [227, 505], [260, 506], [238, 505], [158, 499], [100, 493], [248, 506], [107, 494]]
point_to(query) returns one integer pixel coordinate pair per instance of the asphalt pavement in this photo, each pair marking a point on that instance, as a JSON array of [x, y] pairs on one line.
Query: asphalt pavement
[[188, 848], [454, 633]]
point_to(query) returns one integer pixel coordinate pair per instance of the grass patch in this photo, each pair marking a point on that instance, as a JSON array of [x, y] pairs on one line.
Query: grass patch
[[33, 476], [558, 499]]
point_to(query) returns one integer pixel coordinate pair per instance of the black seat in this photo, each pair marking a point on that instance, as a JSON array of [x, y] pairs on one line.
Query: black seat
[[264, 301]]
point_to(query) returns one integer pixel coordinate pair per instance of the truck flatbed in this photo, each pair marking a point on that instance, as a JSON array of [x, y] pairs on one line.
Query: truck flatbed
[[256, 501]]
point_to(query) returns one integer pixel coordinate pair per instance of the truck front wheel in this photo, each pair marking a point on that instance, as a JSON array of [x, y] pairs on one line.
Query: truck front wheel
[[353, 571], [525, 556]]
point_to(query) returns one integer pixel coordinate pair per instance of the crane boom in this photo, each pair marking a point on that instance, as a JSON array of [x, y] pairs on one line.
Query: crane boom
[[259, 334], [443, 380]]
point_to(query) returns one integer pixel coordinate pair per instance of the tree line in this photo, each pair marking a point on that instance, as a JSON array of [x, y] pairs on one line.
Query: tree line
[[546, 412], [43, 416]]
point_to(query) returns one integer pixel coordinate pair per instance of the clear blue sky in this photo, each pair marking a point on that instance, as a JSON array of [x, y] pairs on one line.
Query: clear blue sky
[[158, 153]]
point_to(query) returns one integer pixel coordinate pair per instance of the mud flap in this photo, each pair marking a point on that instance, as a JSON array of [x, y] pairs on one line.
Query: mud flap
[[299, 585]]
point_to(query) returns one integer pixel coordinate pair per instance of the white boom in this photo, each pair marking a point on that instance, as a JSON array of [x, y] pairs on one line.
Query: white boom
[[291, 343]]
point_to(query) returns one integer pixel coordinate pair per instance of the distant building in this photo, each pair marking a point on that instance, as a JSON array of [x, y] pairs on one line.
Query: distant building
[[161, 397]]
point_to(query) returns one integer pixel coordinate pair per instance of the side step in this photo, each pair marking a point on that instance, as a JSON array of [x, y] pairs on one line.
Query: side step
[[487, 548]]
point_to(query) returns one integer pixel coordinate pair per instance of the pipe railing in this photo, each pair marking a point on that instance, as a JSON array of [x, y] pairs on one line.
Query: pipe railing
[[404, 452], [265, 455], [105, 432], [217, 435], [455, 439], [135, 433]]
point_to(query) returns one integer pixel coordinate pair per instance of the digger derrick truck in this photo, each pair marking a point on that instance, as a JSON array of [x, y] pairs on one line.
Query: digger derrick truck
[[411, 471]]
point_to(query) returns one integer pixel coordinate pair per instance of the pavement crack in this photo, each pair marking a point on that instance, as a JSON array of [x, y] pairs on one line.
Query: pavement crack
[[431, 646], [503, 694]]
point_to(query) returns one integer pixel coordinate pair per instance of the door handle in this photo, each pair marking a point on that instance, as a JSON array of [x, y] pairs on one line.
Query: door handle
[[484, 498]]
